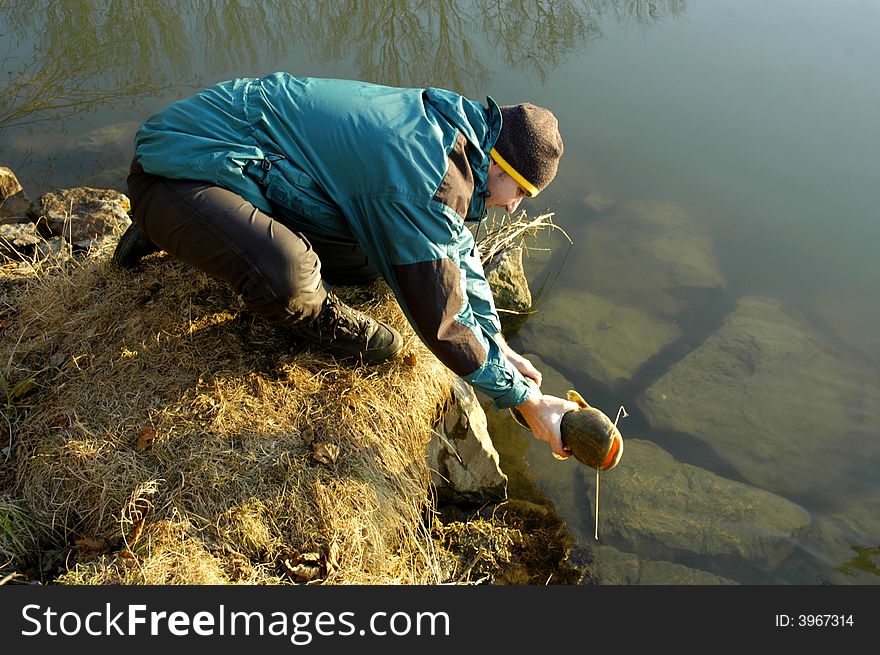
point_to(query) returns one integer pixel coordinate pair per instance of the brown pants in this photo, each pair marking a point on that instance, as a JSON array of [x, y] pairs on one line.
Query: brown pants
[[274, 268]]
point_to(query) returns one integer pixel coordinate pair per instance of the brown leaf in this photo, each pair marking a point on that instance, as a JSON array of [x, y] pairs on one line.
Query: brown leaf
[[306, 572], [410, 358], [145, 439], [87, 545], [135, 533], [302, 567], [325, 452]]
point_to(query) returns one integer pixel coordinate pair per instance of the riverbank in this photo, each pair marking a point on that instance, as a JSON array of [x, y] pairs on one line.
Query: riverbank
[[155, 432]]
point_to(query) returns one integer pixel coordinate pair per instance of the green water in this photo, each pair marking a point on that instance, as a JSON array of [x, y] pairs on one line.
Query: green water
[[755, 119]]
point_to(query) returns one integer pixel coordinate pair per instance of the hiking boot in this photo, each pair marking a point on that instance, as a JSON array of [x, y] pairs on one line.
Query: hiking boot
[[133, 246], [345, 332]]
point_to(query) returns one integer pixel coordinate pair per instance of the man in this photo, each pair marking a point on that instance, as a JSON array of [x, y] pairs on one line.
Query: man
[[282, 185]]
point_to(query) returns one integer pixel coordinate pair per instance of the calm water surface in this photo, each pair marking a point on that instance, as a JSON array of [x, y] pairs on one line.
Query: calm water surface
[[754, 121]]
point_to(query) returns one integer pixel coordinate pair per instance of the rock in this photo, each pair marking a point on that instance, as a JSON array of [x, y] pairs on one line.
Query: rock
[[670, 511], [15, 209], [463, 461], [617, 568], [788, 410], [56, 247], [650, 255], [81, 214], [853, 316], [18, 240], [845, 544], [9, 184], [583, 332], [599, 201], [510, 288]]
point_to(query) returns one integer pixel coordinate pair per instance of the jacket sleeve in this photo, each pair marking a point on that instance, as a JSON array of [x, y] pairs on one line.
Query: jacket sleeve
[[417, 251], [478, 291]]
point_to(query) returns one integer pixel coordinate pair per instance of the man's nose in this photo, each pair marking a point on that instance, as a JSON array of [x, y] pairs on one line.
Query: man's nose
[[512, 205]]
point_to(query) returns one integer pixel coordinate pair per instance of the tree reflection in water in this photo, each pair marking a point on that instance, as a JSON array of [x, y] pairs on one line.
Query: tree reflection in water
[[64, 58], [69, 56]]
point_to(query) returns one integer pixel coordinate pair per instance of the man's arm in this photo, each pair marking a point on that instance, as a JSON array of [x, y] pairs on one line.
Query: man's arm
[[543, 413], [519, 362]]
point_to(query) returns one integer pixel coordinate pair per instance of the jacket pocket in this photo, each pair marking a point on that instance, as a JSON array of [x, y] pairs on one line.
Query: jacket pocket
[[294, 192]]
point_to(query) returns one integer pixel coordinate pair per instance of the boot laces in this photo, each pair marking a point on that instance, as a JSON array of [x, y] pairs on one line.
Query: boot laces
[[341, 320]]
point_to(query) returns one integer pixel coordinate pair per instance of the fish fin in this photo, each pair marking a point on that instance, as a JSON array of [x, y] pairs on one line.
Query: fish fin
[[575, 397]]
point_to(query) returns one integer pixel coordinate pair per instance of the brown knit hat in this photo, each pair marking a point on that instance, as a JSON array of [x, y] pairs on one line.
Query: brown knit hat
[[529, 146]]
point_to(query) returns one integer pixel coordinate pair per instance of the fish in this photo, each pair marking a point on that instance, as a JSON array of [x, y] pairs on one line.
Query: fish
[[588, 434]]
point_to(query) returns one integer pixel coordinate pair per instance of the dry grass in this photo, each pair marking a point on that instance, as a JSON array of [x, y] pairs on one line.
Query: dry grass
[[519, 230], [164, 433], [153, 432]]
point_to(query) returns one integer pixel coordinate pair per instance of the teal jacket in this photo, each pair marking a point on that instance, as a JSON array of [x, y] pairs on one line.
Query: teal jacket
[[398, 170]]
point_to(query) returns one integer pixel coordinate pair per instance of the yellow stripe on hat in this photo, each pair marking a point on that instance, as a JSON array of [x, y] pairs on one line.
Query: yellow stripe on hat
[[530, 188]]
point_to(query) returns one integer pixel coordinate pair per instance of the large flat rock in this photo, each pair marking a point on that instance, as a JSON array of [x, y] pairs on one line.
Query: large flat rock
[[788, 410], [580, 331], [650, 255], [614, 567], [666, 510]]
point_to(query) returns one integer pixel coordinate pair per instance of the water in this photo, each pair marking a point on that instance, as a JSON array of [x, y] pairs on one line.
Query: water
[[754, 121]]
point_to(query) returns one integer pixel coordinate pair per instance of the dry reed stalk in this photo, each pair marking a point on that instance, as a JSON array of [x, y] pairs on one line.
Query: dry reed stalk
[[514, 231]]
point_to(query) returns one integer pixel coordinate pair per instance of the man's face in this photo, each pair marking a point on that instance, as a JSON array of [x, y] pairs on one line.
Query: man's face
[[503, 189]]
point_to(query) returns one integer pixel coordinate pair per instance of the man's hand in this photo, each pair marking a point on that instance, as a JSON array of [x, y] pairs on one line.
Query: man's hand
[[519, 362], [544, 415]]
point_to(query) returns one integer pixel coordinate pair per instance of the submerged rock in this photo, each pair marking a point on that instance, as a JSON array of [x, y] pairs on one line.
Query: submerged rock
[[15, 209], [667, 510], [775, 399], [463, 461], [845, 544], [583, 332], [648, 255], [614, 567], [599, 201]]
